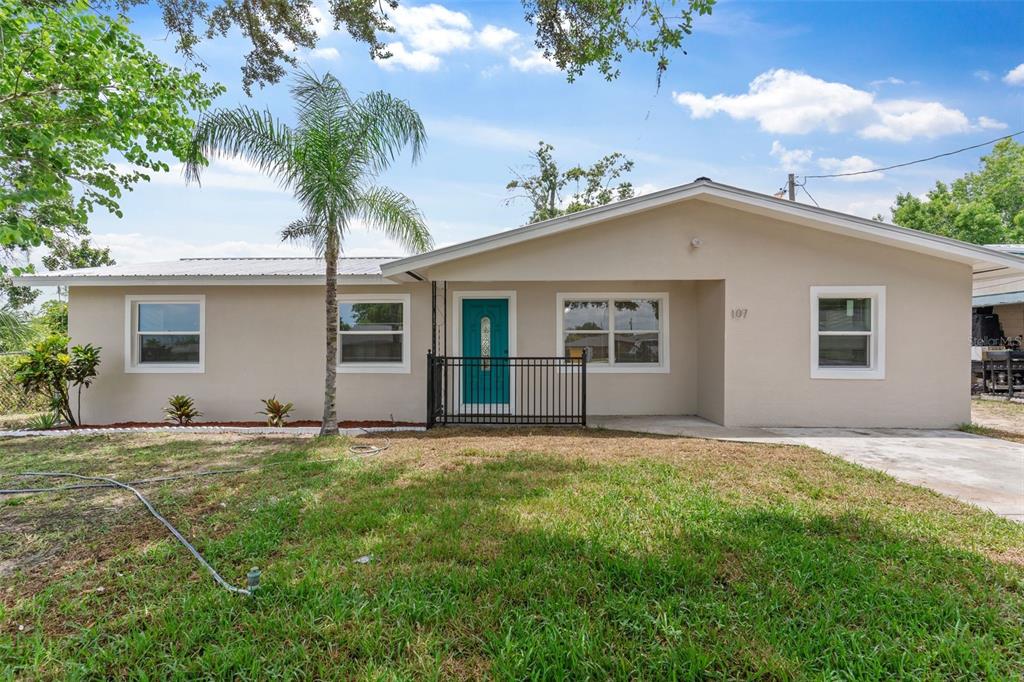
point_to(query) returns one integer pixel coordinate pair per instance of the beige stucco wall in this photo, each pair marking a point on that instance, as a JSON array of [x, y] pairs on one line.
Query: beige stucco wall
[[260, 341], [768, 267], [752, 370], [674, 392]]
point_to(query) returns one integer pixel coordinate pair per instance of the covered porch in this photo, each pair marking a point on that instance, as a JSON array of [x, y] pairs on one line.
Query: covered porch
[[563, 352]]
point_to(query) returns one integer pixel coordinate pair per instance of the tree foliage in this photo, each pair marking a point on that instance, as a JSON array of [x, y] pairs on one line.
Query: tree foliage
[[592, 186], [983, 207], [578, 34], [77, 88], [329, 159], [574, 34]]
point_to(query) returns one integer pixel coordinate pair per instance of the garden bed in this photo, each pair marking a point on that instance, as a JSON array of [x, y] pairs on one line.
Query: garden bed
[[300, 423]]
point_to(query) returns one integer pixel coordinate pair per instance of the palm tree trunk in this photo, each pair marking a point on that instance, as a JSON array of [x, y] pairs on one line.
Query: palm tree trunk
[[329, 426]]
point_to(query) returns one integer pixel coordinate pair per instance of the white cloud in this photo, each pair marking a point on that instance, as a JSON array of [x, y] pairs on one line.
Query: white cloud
[[1015, 76], [784, 101], [427, 32], [891, 80], [133, 247], [534, 61], [983, 75], [326, 53], [986, 123], [790, 159], [851, 164], [791, 102], [415, 60], [903, 120], [497, 37], [432, 28]]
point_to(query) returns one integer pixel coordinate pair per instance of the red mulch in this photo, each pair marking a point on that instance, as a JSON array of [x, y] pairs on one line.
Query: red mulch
[[305, 422]]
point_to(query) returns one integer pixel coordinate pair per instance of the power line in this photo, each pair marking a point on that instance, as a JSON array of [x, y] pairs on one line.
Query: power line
[[804, 188], [911, 163]]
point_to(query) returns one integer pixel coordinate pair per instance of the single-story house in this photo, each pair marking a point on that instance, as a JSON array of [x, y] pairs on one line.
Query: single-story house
[[702, 299]]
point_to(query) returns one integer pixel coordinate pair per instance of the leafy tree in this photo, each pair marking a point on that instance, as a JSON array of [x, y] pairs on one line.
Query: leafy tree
[[574, 34], [76, 88], [65, 253], [983, 207], [577, 34], [14, 330], [53, 318], [593, 186], [329, 159]]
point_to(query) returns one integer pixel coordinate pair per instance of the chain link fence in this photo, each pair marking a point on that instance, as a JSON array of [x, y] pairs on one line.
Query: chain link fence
[[16, 406]]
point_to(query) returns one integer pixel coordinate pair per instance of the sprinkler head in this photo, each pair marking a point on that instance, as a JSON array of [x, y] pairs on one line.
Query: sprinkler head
[[252, 579]]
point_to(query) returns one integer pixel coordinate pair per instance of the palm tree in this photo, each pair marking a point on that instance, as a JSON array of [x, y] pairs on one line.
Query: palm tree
[[329, 160]]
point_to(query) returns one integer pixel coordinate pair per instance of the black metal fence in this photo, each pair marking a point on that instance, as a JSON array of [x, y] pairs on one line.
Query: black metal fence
[[490, 390]]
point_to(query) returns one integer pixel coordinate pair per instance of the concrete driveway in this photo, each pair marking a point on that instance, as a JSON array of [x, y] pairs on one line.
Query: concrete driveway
[[984, 471]]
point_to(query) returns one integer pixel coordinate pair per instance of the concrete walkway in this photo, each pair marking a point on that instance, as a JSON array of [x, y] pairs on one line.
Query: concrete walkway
[[986, 472]]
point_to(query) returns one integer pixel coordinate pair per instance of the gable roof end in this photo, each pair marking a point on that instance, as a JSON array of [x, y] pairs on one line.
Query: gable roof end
[[979, 257]]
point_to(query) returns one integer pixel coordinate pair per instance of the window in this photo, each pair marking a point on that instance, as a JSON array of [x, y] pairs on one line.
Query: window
[[615, 332], [164, 333], [848, 332], [373, 333]]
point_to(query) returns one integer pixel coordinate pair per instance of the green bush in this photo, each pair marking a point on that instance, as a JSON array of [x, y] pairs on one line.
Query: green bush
[[51, 370], [42, 422], [181, 409], [275, 410]]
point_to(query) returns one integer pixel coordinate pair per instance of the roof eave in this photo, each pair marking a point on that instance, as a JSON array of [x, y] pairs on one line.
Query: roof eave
[[190, 280], [942, 247]]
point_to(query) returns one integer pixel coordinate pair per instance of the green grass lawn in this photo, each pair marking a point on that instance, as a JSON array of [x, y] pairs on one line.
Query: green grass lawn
[[502, 554]]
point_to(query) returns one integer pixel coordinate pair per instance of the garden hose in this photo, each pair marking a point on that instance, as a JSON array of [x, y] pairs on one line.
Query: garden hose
[[105, 482], [152, 510]]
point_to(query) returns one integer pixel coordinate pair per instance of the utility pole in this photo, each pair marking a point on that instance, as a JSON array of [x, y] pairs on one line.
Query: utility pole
[[792, 186]]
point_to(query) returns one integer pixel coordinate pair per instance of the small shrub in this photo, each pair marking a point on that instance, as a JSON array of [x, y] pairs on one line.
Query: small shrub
[[51, 370], [42, 422], [275, 410], [181, 409]]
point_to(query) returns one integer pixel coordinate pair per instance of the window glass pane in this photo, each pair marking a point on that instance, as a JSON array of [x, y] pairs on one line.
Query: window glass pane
[[844, 351], [577, 345], [585, 315], [168, 317], [357, 348], [636, 348], [844, 314], [636, 314], [370, 316], [169, 348]]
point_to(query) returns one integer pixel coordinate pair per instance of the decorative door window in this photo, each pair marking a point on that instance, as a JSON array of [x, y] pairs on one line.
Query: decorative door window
[[485, 343]]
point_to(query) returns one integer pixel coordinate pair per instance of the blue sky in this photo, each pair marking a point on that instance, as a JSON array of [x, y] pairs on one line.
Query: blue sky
[[766, 87]]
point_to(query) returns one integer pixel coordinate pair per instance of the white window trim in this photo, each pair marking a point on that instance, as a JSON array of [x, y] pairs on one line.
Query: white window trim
[[403, 367], [877, 346], [664, 347], [131, 362]]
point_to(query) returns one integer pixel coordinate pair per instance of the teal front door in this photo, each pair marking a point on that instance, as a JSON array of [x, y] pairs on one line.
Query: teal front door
[[485, 372]]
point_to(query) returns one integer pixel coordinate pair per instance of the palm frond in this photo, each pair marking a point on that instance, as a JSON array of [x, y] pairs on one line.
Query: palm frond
[[381, 126], [396, 216], [307, 230], [14, 330], [255, 136]]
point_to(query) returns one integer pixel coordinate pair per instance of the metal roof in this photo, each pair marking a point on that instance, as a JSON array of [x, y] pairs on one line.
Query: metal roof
[[217, 271]]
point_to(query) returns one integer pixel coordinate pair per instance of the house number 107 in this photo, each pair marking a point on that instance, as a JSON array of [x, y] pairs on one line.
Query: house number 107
[[739, 313]]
